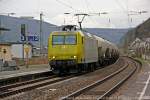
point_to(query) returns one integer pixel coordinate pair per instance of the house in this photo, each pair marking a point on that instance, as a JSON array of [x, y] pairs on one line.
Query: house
[[5, 51], [141, 47]]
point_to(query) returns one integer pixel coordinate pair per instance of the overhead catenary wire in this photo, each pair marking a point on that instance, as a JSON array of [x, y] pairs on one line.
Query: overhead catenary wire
[[125, 10], [88, 10], [67, 5], [129, 24], [121, 6], [71, 7], [91, 11]]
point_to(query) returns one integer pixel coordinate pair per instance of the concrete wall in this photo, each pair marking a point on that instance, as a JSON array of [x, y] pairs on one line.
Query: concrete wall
[[17, 51]]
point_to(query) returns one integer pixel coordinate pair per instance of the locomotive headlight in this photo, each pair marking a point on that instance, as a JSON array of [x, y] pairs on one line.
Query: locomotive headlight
[[74, 56], [53, 57]]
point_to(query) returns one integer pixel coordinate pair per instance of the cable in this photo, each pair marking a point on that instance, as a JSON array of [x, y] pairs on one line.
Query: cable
[[121, 6], [94, 21], [125, 10], [90, 11], [67, 5]]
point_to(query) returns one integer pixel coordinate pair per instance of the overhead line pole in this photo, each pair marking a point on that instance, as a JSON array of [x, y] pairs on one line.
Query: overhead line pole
[[0, 24], [41, 36]]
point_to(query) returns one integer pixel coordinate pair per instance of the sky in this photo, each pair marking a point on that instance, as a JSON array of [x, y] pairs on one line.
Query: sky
[[53, 11]]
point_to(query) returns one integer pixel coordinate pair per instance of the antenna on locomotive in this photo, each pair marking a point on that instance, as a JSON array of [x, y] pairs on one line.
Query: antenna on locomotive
[[83, 15]]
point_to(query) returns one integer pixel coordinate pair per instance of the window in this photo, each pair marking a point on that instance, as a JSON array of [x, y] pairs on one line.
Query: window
[[70, 39], [63, 39], [58, 39]]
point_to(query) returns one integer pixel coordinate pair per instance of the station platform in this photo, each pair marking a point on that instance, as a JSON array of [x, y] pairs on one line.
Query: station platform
[[137, 88], [32, 69]]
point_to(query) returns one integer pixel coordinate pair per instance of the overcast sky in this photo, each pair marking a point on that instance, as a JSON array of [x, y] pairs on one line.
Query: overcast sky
[[54, 11]]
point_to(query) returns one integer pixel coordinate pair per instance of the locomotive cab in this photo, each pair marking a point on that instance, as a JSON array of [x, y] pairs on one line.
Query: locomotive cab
[[64, 49]]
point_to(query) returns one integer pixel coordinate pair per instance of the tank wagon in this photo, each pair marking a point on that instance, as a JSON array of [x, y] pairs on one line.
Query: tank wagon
[[72, 51]]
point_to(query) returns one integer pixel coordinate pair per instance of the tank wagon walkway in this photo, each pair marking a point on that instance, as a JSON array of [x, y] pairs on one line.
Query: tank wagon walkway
[[137, 88], [32, 69]]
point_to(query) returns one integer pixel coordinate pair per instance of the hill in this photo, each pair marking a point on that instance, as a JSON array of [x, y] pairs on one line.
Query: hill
[[113, 35], [141, 31]]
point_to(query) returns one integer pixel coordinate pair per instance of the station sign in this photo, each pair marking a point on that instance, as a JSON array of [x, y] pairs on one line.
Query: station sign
[[33, 38], [30, 38]]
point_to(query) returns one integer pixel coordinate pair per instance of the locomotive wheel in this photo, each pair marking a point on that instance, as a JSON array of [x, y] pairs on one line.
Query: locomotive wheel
[[79, 69], [92, 67]]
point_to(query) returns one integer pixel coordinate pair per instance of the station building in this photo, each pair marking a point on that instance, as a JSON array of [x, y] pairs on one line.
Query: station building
[[9, 51]]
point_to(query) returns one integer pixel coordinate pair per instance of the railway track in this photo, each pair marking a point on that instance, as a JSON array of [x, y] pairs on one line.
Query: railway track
[[6, 87], [97, 90], [23, 77], [101, 89], [16, 88]]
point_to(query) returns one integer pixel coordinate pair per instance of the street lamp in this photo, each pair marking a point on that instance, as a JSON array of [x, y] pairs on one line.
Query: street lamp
[[11, 14], [8, 14]]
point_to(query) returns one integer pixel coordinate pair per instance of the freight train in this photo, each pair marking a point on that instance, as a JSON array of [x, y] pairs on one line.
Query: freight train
[[72, 51]]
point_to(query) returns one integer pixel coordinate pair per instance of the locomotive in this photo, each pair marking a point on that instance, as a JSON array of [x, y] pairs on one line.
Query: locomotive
[[72, 51]]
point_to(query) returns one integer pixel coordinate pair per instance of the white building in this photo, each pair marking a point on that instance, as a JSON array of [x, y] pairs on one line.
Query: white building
[[19, 50]]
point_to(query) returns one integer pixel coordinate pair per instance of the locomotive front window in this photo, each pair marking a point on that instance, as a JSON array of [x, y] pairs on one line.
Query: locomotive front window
[[63, 39], [70, 39], [58, 40]]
